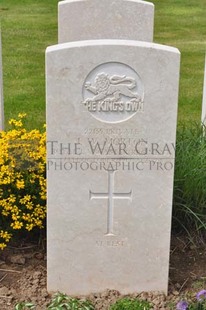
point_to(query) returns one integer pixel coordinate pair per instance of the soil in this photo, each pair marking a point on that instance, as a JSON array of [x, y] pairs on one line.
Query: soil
[[23, 277]]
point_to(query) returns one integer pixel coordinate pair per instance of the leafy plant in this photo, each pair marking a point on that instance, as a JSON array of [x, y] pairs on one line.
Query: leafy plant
[[130, 304], [62, 301], [24, 306]]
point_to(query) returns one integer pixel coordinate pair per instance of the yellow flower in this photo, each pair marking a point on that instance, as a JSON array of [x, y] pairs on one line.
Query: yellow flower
[[15, 123], [29, 227], [22, 170], [25, 199], [29, 205], [12, 198], [15, 217], [5, 235], [22, 115], [17, 225], [2, 246], [20, 184]]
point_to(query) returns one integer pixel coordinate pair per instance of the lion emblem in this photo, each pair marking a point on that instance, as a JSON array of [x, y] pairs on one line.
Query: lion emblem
[[112, 88]]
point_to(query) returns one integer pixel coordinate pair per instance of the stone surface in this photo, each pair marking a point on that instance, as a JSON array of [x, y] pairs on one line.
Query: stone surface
[[203, 118], [105, 19], [111, 125], [1, 89]]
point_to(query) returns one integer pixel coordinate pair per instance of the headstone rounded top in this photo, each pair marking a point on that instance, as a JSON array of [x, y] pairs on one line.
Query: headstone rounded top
[[93, 19]]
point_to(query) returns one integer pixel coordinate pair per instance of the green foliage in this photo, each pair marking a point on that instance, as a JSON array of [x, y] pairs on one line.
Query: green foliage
[[130, 304], [62, 301], [189, 210], [197, 306], [24, 306]]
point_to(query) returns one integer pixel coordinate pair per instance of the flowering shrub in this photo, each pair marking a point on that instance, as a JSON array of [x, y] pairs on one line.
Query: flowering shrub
[[22, 180], [200, 304]]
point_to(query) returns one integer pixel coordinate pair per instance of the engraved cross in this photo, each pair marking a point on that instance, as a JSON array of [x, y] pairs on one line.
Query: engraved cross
[[110, 196]]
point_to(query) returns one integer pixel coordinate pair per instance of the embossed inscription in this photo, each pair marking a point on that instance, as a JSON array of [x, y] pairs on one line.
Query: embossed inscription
[[110, 243], [110, 196], [113, 92], [114, 106], [112, 131]]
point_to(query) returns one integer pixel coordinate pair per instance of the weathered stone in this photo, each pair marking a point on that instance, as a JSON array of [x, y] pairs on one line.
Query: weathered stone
[[96, 19], [111, 127]]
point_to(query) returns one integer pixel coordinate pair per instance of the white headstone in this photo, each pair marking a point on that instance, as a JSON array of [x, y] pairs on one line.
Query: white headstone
[[1, 90], [204, 99], [111, 125], [105, 19]]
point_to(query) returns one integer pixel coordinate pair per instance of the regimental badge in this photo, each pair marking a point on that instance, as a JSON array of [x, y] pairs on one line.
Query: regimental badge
[[113, 92]]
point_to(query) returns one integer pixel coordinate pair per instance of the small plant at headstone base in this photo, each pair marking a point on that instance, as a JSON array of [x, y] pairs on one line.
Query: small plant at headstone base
[[24, 306], [22, 180], [130, 304], [60, 301], [200, 303], [63, 301]]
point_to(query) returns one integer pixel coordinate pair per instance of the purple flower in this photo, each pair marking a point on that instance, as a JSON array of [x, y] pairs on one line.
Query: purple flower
[[182, 305], [201, 295]]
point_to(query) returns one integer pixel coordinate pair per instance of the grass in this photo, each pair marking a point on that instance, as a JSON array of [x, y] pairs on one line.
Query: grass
[[29, 26], [182, 23], [189, 210]]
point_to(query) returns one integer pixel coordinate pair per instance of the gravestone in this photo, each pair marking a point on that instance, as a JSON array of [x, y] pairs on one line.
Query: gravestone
[[203, 118], [106, 19], [1, 90], [111, 130]]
